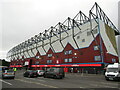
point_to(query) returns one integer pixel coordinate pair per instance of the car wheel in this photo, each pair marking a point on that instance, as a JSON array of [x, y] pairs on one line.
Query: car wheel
[[3, 77], [29, 76], [54, 76], [45, 76], [61, 77]]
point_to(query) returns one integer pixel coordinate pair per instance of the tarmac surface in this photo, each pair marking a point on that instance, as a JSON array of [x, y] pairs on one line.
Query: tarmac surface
[[71, 80]]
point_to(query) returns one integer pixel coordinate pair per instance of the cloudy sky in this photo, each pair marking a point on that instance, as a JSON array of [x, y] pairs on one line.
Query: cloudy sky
[[22, 19]]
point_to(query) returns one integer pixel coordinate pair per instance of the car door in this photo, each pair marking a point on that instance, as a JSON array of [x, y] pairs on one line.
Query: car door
[[51, 72], [48, 73], [27, 73]]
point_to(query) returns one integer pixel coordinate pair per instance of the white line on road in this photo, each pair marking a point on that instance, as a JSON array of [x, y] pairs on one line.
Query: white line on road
[[37, 83], [82, 87], [108, 83], [46, 78], [5, 82], [102, 86]]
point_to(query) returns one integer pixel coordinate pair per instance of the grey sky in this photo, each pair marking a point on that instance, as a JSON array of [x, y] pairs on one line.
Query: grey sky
[[22, 19]]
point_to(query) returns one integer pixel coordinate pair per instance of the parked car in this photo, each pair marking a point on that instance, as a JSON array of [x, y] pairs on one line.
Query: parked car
[[54, 73], [40, 72], [30, 73], [0, 72], [8, 74], [113, 72]]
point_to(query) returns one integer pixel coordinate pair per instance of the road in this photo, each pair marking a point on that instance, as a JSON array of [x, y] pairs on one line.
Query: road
[[71, 80]]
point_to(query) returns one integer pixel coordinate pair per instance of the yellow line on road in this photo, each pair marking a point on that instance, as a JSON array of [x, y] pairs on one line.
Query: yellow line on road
[[37, 83]]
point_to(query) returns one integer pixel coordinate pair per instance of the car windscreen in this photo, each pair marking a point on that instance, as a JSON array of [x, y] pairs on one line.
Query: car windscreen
[[112, 69], [41, 71], [8, 71], [32, 71]]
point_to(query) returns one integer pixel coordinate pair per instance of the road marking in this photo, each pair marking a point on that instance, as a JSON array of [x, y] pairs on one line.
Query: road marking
[[36, 79], [5, 82], [37, 83], [108, 83], [82, 87], [102, 86], [47, 78]]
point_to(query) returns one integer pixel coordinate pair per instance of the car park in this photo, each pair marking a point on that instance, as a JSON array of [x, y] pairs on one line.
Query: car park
[[8, 74], [30, 73], [40, 72], [54, 73]]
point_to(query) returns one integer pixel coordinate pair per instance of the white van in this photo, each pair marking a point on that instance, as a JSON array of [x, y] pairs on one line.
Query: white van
[[113, 72]]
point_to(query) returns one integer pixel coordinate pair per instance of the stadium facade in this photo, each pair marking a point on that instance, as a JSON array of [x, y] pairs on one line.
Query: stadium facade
[[82, 44]]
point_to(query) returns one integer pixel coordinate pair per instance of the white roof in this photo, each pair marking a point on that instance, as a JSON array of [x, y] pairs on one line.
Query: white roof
[[115, 65]]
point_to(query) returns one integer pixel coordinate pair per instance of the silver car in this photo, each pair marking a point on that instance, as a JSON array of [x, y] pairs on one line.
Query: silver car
[[8, 74]]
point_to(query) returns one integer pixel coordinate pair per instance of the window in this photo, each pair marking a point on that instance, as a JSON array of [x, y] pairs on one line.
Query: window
[[113, 60], [78, 37], [96, 47], [37, 57], [88, 33], [37, 62], [57, 56], [97, 58], [49, 55], [51, 70], [95, 31], [68, 52], [70, 59], [83, 40], [81, 53], [49, 61], [65, 60]]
